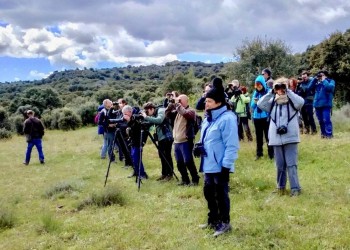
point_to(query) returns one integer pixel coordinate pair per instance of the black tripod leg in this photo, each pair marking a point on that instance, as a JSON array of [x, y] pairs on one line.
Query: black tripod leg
[[162, 155], [124, 148], [138, 177], [110, 158]]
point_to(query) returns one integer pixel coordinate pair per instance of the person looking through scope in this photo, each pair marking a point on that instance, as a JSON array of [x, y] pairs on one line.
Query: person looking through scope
[[163, 135], [137, 139]]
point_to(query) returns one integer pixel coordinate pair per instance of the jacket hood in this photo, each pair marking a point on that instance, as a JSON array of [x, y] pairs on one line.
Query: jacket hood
[[261, 79]]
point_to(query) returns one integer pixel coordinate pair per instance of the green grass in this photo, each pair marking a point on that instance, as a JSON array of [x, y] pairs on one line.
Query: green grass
[[64, 205]]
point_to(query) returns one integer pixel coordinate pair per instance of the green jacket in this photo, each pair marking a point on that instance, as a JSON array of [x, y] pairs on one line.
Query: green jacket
[[163, 127], [240, 104]]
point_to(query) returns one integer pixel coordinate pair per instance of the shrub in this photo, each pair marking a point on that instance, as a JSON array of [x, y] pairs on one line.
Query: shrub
[[17, 123], [87, 112], [64, 119], [4, 119], [5, 134], [106, 197], [62, 187], [49, 224], [69, 120], [7, 220]]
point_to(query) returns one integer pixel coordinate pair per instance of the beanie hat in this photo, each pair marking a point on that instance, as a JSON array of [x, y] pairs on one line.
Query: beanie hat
[[217, 93], [267, 71]]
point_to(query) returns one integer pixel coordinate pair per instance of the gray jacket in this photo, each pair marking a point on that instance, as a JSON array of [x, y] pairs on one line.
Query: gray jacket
[[280, 115]]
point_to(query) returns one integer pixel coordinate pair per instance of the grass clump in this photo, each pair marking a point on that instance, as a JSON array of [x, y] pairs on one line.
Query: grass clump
[[59, 189], [49, 224], [7, 219], [106, 197]]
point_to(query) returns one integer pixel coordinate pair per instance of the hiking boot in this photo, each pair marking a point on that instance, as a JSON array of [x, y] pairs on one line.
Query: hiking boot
[[132, 175], [168, 178], [42, 162], [295, 192], [280, 191], [207, 226], [222, 228], [162, 177], [183, 183], [26, 163], [257, 158]]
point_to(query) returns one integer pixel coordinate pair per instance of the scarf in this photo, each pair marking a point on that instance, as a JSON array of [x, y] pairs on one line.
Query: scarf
[[281, 99]]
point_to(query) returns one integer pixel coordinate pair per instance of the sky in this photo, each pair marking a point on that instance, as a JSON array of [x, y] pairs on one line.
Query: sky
[[38, 37]]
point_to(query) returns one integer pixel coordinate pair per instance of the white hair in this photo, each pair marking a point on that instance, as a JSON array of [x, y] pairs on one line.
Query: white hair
[[127, 108]]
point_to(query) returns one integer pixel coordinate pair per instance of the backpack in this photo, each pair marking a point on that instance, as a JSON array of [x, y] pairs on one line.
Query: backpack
[[193, 127], [197, 124]]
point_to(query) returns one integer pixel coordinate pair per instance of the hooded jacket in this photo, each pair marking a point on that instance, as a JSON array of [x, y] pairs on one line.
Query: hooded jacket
[[324, 91], [220, 139], [257, 112], [282, 115]]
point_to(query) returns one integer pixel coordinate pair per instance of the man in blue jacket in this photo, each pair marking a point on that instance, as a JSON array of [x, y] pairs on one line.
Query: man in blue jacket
[[323, 102], [218, 150]]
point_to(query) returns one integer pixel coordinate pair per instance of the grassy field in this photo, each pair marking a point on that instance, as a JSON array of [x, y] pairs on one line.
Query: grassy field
[[59, 205]]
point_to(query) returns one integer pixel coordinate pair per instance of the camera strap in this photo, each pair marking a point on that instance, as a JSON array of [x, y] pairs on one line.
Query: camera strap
[[280, 111]]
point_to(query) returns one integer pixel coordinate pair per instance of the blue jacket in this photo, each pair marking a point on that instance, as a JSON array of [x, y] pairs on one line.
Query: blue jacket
[[256, 111], [324, 91], [220, 139], [305, 92]]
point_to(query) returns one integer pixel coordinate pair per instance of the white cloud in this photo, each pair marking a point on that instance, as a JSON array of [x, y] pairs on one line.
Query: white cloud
[[35, 75], [144, 32]]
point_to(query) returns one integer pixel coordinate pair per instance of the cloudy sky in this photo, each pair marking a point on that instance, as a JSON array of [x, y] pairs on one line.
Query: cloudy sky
[[40, 36]]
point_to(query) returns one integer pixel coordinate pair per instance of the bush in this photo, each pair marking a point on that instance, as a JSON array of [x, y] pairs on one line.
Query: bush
[[69, 120], [4, 119], [87, 112], [64, 119], [17, 123], [7, 220], [5, 134]]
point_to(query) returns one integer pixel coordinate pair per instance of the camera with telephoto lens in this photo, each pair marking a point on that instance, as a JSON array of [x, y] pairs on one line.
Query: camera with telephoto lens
[[171, 100], [282, 130], [137, 117], [199, 150]]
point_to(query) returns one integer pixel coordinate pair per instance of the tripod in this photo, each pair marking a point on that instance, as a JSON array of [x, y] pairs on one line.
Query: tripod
[[162, 154], [123, 146]]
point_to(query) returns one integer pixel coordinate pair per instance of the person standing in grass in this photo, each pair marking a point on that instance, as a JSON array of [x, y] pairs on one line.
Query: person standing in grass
[[34, 131], [284, 132], [218, 148]]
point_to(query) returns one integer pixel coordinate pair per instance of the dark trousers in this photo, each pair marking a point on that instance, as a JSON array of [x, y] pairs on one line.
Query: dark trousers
[[165, 157], [243, 126], [184, 160], [216, 193], [261, 130], [307, 112]]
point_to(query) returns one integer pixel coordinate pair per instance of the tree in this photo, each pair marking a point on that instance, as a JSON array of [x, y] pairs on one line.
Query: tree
[[253, 56], [333, 55], [179, 82]]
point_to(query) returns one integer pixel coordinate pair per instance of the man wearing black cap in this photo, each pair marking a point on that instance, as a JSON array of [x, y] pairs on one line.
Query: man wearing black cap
[[218, 148]]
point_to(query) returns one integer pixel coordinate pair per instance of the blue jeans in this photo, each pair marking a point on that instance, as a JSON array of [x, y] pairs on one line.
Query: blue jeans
[[286, 159], [38, 144], [324, 118], [109, 138], [136, 155], [104, 147]]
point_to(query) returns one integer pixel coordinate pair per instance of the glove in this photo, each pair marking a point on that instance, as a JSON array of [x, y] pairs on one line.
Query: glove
[[225, 174]]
